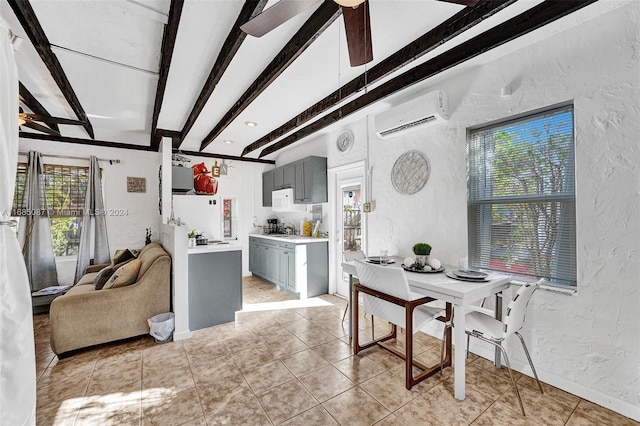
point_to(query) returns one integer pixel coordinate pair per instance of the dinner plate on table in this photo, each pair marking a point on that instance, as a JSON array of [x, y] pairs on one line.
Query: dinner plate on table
[[466, 275], [376, 260]]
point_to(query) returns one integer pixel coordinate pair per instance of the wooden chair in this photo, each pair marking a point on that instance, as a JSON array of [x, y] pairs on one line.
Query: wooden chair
[[387, 295]]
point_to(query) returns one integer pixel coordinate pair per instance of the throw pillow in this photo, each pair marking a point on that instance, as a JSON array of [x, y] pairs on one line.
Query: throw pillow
[[122, 256], [124, 275], [103, 276]]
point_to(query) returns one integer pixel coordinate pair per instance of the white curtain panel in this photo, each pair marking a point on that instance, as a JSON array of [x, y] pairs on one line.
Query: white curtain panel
[[94, 243], [17, 352]]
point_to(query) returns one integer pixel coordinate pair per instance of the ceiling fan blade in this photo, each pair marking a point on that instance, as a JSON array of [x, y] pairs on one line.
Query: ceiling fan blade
[[469, 3], [56, 120], [275, 16], [40, 128], [357, 25]]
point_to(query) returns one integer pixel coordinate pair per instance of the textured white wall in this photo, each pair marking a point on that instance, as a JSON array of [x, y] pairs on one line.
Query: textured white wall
[[588, 343], [140, 209]]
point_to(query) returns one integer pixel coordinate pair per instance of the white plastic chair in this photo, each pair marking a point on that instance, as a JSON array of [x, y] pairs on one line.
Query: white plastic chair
[[387, 295], [488, 329], [348, 257]]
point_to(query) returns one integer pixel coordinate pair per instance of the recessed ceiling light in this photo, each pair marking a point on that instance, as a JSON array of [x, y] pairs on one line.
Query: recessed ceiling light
[[228, 141], [251, 123]]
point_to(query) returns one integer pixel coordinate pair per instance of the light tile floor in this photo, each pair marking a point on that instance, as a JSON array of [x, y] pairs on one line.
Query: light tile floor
[[282, 362]]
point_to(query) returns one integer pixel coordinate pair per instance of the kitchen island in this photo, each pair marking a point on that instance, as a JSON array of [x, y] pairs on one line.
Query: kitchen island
[[215, 284], [295, 264]]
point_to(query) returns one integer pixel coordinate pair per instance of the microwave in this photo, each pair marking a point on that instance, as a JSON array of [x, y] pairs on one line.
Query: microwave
[[282, 200]]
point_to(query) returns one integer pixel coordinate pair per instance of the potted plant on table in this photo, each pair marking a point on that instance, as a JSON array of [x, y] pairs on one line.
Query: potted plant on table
[[422, 252], [192, 237]]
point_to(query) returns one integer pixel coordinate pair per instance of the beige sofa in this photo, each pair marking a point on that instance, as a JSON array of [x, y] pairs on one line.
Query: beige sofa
[[85, 316]]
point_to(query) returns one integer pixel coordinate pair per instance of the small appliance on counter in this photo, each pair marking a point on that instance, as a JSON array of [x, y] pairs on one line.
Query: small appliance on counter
[[272, 226], [201, 240]]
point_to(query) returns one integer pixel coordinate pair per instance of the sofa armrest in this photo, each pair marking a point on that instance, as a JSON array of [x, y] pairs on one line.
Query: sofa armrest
[[96, 268]]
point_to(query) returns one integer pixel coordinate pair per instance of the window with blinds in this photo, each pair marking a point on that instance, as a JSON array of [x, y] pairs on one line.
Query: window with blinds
[[64, 191], [64, 186], [521, 197]]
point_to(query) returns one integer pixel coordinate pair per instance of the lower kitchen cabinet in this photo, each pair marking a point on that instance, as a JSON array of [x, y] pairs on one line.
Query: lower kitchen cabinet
[[299, 268], [215, 288]]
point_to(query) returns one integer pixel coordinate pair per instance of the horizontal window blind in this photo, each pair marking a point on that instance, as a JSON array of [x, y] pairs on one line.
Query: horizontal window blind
[[521, 197], [64, 186]]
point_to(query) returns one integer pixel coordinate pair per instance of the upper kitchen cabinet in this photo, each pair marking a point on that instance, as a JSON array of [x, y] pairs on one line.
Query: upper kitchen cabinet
[[307, 177], [284, 177], [267, 187], [311, 180]]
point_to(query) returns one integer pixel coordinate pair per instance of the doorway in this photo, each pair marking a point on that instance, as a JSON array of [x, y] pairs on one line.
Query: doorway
[[349, 223]]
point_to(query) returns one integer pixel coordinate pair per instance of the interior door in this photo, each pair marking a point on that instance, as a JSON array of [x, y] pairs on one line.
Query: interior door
[[350, 224]]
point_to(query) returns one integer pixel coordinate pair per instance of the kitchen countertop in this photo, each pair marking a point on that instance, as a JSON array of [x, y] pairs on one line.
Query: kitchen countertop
[[214, 248], [295, 239]]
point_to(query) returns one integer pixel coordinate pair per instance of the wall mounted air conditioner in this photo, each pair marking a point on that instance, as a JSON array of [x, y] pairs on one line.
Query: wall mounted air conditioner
[[415, 114]]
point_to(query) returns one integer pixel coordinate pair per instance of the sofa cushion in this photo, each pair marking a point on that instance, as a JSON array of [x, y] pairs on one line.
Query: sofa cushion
[[87, 278], [122, 256], [103, 276], [124, 275]]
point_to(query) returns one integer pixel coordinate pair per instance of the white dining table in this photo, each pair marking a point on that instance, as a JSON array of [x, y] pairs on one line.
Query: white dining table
[[460, 294]]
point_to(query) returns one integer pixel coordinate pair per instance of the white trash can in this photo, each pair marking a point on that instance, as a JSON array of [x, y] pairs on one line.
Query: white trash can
[[161, 327]]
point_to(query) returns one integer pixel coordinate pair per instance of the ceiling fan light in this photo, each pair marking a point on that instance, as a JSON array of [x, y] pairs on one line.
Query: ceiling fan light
[[349, 3], [21, 121]]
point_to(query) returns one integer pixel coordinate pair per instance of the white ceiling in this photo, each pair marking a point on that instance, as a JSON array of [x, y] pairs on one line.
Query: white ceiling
[[110, 51]]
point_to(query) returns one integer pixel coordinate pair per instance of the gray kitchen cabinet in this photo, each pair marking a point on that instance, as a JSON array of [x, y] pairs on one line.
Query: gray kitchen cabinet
[[289, 175], [311, 180], [254, 256], [284, 177], [278, 178], [215, 288], [267, 188], [300, 268], [307, 177], [269, 262]]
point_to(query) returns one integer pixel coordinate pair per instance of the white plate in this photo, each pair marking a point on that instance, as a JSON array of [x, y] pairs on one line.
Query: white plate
[[473, 280], [376, 260], [470, 274]]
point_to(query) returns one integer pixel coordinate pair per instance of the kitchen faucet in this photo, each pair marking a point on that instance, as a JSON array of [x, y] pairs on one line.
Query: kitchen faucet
[[290, 230]]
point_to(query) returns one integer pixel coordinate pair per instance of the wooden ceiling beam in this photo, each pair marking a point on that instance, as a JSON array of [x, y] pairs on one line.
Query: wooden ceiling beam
[[168, 43], [81, 141], [530, 20], [223, 156], [452, 27], [27, 17], [120, 145], [30, 101], [229, 49], [320, 20]]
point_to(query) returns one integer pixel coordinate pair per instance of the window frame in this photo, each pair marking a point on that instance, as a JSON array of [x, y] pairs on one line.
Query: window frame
[[57, 211], [481, 200]]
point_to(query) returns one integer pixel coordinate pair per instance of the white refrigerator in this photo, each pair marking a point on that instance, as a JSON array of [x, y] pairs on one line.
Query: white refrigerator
[[200, 212]]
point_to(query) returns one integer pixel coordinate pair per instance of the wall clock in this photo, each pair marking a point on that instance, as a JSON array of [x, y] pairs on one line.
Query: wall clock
[[344, 142]]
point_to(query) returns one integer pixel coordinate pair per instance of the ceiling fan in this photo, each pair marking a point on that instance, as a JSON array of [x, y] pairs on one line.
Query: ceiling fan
[[30, 121], [357, 23]]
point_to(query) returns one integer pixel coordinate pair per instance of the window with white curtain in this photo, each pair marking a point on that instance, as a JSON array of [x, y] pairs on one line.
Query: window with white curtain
[[521, 197]]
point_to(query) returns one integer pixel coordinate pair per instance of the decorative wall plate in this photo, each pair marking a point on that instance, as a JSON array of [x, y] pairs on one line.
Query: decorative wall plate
[[410, 172]]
